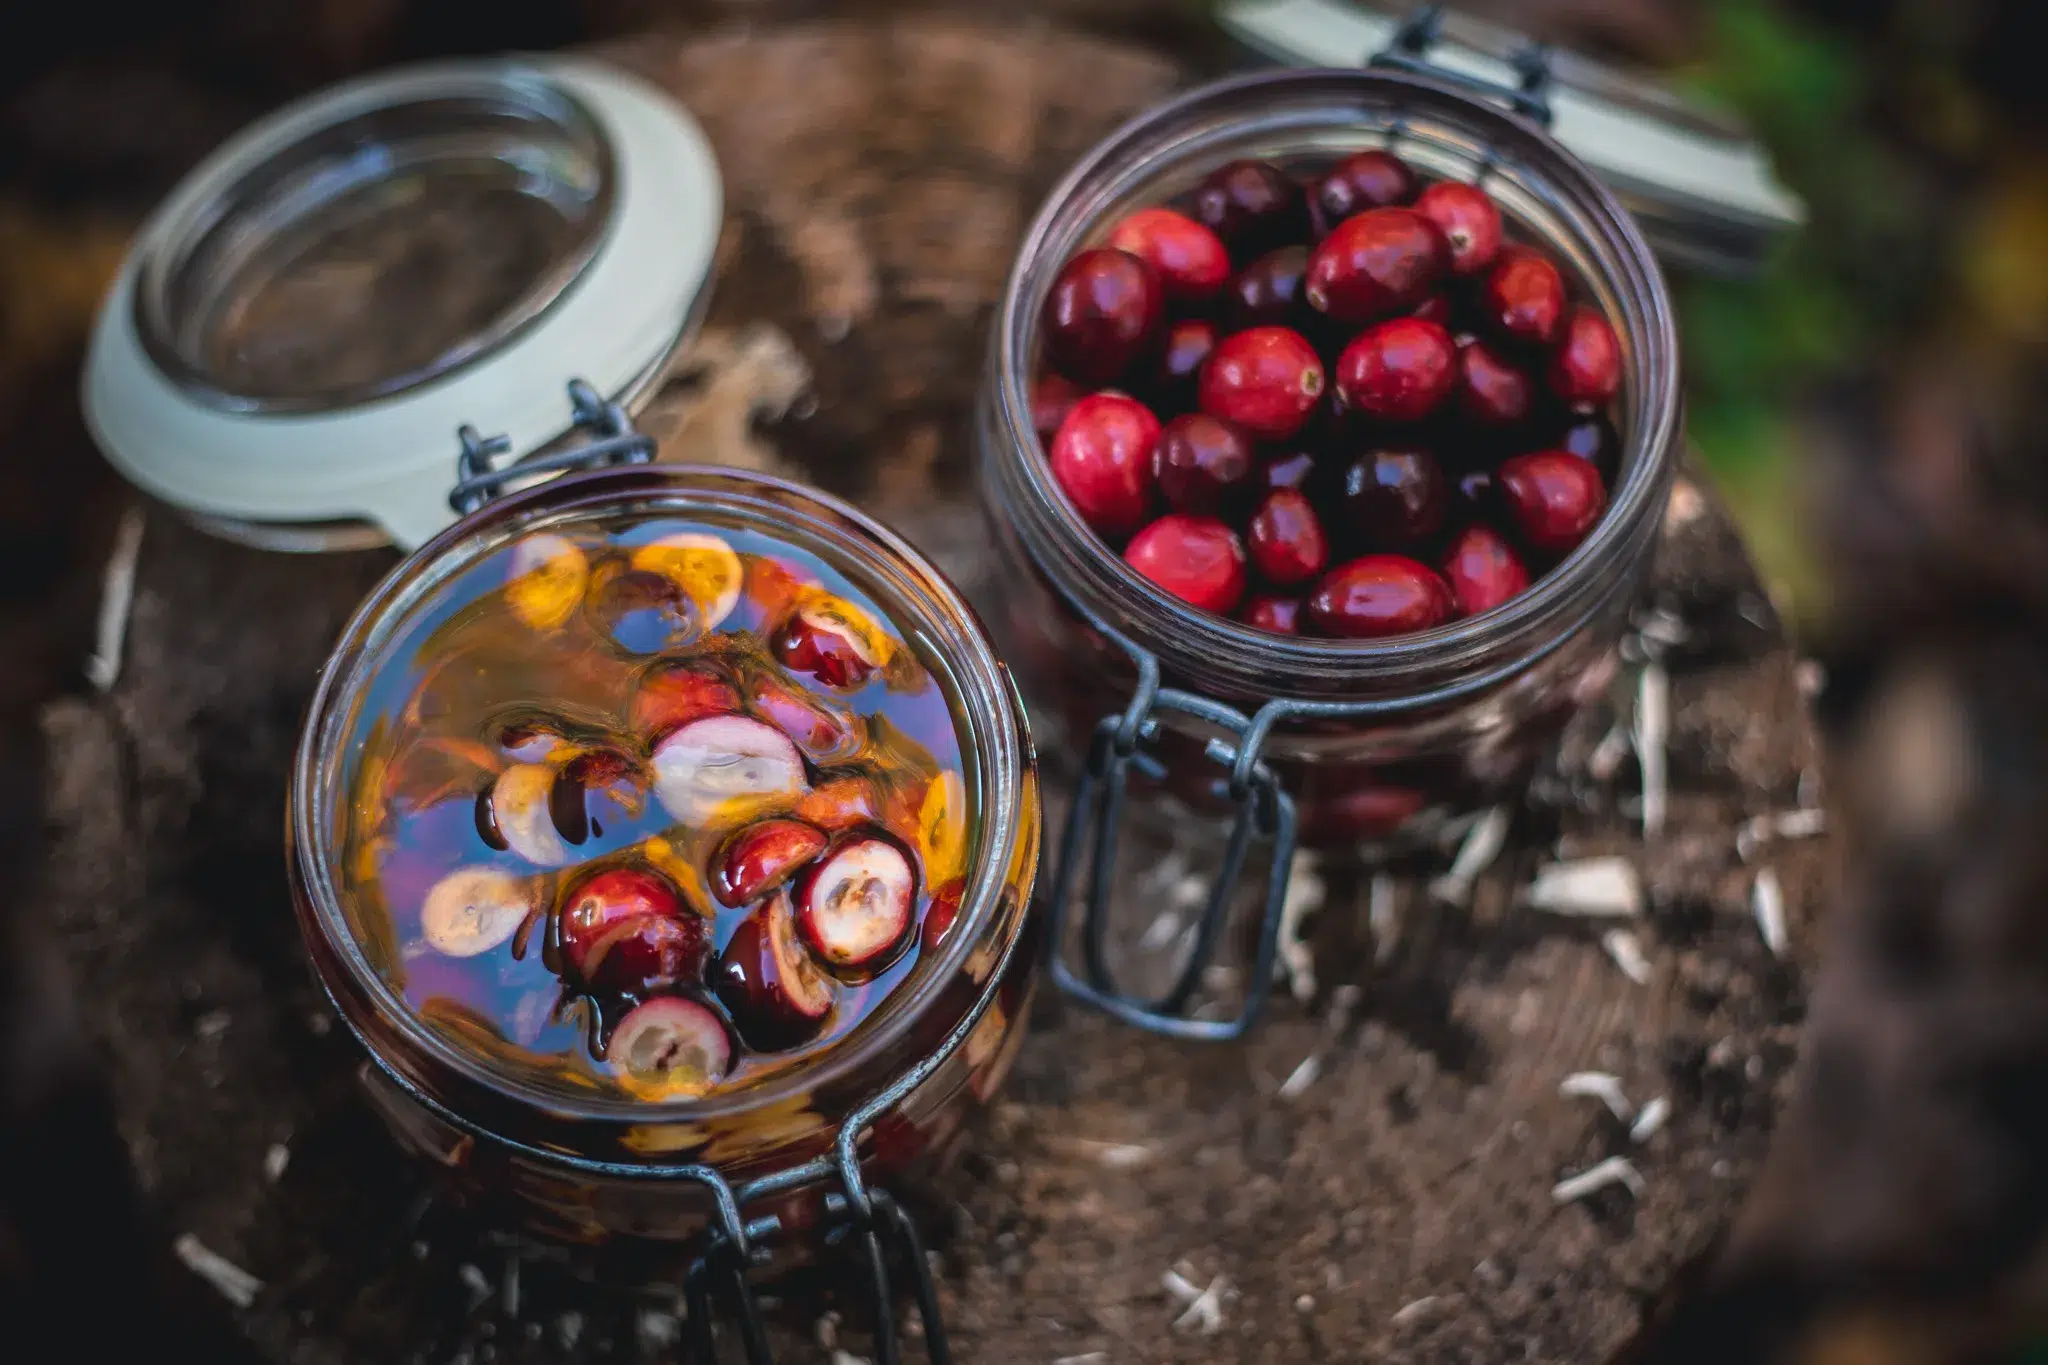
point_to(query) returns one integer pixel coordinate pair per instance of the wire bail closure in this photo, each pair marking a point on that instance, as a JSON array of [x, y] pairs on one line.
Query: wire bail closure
[[615, 441], [1408, 51]]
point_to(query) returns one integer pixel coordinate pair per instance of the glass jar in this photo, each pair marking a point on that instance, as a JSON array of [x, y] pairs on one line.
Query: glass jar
[[591, 1165], [1374, 742]]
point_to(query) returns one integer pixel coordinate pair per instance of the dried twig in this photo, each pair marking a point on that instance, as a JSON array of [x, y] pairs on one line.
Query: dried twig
[[1651, 1121], [1591, 887], [1482, 844], [1616, 1170], [235, 1284], [1627, 951], [1598, 1085], [117, 601], [1652, 729], [1767, 902]]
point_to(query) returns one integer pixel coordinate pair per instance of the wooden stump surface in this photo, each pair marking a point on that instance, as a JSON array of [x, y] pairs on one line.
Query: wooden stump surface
[[1393, 1202]]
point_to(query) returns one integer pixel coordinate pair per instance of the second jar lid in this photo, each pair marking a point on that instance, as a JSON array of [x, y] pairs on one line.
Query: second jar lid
[[302, 327]]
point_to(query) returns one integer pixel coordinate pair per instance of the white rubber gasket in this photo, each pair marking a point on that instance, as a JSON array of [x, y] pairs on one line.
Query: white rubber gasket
[[391, 461]]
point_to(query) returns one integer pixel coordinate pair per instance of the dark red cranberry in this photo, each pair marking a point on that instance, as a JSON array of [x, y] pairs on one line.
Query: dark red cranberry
[[1252, 206], [825, 731], [1396, 498], [670, 1048], [854, 906], [776, 995], [818, 642], [1286, 540], [628, 931], [1379, 595], [1524, 298], [1281, 615], [1267, 293], [1188, 345], [1266, 381], [1360, 812], [1190, 260], [1587, 367], [1052, 397], [1490, 391], [939, 916], [1482, 569], [1439, 308], [1104, 312], [1371, 179], [672, 696], [1204, 466], [1377, 264], [1591, 436], [1400, 370], [1102, 458], [1475, 496], [1198, 559], [640, 611], [1289, 470], [762, 857], [1553, 497], [1469, 221]]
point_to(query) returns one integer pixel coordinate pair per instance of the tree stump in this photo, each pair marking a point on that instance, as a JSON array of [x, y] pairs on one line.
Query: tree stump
[[1369, 1177]]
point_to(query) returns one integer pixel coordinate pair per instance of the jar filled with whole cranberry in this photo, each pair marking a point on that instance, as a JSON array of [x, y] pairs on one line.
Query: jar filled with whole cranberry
[[1325, 437]]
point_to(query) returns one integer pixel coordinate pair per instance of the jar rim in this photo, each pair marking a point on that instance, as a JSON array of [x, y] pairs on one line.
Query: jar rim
[[1651, 436], [990, 718]]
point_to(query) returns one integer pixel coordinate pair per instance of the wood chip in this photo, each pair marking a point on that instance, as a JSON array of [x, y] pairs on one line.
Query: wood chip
[[1651, 1121], [117, 601], [1414, 1310], [235, 1284], [1482, 844], [1204, 1311], [1381, 915], [1767, 903], [1803, 823], [1652, 730], [1302, 1077], [275, 1160], [1305, 896], [1596, 888], [1605, 760], [1627, 951], [1598, 1085], [1616, 1170]]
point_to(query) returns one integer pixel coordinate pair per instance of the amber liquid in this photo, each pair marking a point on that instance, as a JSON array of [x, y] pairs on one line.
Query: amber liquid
[[445, 714]]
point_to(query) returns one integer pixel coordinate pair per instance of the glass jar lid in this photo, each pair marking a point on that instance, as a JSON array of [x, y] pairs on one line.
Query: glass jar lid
[[304, 324]]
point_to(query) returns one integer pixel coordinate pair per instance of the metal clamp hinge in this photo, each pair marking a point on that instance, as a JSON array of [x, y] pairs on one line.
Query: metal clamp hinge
[[1408, 51], [614, 441]]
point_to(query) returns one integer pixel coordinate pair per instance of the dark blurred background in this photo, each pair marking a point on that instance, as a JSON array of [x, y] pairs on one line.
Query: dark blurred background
[[1871, 406]]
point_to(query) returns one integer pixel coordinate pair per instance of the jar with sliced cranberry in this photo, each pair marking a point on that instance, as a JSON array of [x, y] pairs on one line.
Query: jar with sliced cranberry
[[1452, 359], [667, 816]]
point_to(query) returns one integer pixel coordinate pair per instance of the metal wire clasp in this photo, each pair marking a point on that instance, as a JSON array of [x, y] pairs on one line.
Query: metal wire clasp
[[1408, 51], [615, 441]]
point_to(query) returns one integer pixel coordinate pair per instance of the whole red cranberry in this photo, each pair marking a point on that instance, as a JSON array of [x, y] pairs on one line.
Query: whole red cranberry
[[1553, 497], [1400, 370], [1188, 345], [1395, 498], [1253, 206], [1104, 313], [1102, 457], [1490, 392], [628, 931], [1381, 262], [1591, 436], [1286, 539], [1470, 223], [1267, 293], [1482, 569], [1372, 179], [1289, 470], [1524, 298], [1587, 367], [1191, 261], [1266, 380], [1281, 615], [1052, 397], [1374, 596], [1204, 466], [1198, 559]]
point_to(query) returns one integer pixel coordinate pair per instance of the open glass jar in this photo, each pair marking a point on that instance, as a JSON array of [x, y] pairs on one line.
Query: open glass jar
[[1339, 743]]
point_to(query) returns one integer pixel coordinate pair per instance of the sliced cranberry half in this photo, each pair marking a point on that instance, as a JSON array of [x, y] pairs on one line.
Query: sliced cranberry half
[[1372, 179], [521, 814], [1483, 570], [1523, 298], [1490, 391], [1469, 221], [626, 930], [824, 644], [710, 762], [762, 857], [673, 695], [1266, 380], [1395, 498], [854, 906], [1252, 206], [841, 804], [1286, 539], [1381, 262], [823, 730], [1401, 370], [474, 909], [1104, 312], [1281, 615], [1267, 293], [1586, 371], [1204, 466], [939, 916], [1553, 496], [670, 1047], [1375, 596], [1190, 260], [1200, 560], [1102, 458], [777, 996]]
